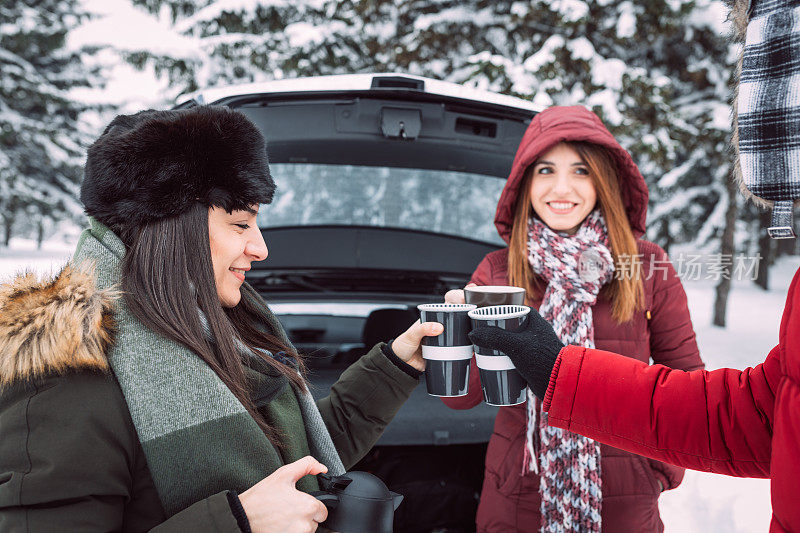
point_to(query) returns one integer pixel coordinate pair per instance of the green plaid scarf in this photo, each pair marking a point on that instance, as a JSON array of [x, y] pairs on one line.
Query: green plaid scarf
[[198, 438]]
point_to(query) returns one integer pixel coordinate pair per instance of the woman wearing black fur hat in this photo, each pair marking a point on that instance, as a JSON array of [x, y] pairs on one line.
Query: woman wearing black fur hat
[[147, 387]]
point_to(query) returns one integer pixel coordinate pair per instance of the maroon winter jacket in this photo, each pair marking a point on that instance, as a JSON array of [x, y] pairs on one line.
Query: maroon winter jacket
[[739, 423], [662, 332]]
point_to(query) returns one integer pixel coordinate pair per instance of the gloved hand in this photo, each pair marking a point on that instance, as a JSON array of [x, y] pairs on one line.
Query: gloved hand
[[533, 350]]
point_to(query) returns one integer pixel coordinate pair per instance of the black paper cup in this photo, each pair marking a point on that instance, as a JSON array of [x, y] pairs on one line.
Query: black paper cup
[[502, 384], [486, 295], [446, 379], [447, 355], [502, 388]]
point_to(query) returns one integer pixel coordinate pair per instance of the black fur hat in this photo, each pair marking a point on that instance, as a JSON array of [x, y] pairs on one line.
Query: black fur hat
[[157, 164]]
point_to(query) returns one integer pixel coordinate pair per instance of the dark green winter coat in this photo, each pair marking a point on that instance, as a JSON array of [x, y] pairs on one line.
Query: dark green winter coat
[[70, 457]]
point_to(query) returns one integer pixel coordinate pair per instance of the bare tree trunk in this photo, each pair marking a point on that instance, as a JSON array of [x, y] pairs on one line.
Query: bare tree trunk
[[727, 249], [766, 249], [39, 233], [664, 238], [8, 222], [8, 214]]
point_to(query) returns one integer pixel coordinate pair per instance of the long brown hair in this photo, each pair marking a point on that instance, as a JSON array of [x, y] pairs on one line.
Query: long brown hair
[[167, 274], [625, 291]]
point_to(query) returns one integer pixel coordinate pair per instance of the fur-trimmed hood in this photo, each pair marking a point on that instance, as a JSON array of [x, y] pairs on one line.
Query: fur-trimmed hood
[[54, 325]]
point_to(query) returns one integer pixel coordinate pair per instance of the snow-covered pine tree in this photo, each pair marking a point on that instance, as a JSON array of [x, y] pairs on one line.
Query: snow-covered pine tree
[[239, 41], [41, 143]]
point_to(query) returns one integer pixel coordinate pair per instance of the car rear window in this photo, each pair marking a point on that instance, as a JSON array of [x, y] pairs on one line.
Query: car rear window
[[448, 202]]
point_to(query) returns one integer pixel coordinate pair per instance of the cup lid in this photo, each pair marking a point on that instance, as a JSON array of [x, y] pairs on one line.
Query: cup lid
[[447, 308], [503, 289], [499, 312]]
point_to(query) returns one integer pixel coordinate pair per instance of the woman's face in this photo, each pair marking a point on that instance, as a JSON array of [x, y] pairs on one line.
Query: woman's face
[[235, 242], [562, 190]]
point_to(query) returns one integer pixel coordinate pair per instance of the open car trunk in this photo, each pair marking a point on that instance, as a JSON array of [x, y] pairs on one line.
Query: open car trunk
[[325, 298]]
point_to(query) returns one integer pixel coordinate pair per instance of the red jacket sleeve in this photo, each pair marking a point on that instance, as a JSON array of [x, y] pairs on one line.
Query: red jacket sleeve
[[474, 396], [719, 421]]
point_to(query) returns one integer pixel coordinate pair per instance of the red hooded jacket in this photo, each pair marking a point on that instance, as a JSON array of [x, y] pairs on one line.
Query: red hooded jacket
[[739, 423], [663, 331]]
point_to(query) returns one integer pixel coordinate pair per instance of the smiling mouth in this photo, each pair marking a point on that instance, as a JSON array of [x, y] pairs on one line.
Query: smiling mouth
[[238, 272], [561, 208]]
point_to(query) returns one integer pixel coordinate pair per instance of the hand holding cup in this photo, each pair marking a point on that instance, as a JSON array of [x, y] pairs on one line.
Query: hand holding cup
[[456, 296], [501, 382], [408, 345], [447, 355], [533, 348]]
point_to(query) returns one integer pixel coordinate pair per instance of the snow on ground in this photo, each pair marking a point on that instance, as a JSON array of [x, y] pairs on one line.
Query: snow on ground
[[22, 255], [704, 502]]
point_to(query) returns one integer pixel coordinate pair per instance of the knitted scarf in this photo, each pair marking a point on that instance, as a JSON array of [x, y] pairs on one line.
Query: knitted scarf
[[575, 267], [319, 440], [197, 437]]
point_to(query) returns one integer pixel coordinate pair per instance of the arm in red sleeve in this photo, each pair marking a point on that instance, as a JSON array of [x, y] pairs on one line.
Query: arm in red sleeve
[[719, 421]]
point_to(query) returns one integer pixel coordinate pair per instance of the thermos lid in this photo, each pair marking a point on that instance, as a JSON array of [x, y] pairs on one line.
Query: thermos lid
[[356, 484]]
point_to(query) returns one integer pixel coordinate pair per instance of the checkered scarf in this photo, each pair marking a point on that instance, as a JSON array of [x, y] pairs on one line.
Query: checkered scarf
[[575, 268], [768, 107]]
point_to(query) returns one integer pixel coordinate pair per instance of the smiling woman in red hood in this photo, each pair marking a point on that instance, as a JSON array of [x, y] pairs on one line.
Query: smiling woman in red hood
[[573, 123], [536, 186], [573, 213]]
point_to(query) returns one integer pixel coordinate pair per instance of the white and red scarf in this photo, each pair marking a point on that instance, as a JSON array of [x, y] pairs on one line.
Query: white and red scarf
[[575, 267]]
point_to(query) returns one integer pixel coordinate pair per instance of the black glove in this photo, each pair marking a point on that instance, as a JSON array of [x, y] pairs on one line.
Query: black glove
[[533, 350]]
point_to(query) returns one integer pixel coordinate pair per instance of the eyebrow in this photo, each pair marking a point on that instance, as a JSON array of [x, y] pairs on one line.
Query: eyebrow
[[246, 210], [581, 164]]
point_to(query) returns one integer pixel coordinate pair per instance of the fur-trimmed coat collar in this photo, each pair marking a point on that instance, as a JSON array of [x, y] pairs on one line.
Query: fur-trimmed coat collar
[[739, 17], [54, 325]]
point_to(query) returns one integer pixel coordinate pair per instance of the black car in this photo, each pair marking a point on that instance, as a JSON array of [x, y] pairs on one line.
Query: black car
[[387, 186]]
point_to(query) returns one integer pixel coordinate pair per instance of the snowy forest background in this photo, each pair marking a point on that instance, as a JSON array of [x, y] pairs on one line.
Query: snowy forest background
[[657, 72]]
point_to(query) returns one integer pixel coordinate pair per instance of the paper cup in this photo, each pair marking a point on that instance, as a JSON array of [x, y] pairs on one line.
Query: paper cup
[[502, 384], [447, 356]]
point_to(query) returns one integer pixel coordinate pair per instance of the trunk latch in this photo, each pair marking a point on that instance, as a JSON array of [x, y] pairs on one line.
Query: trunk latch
[[401, 123]]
